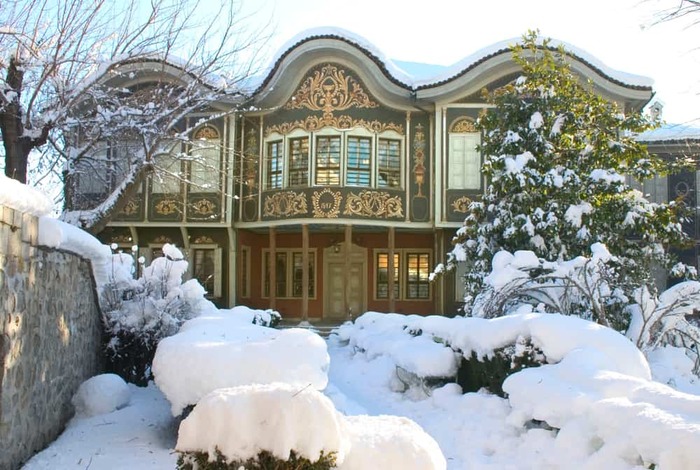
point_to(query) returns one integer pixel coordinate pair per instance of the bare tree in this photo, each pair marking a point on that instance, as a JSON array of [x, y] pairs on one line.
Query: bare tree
[[75, 74], [681, 9]]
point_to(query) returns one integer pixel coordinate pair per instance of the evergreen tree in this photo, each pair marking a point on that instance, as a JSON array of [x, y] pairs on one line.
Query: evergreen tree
[[556, 159]]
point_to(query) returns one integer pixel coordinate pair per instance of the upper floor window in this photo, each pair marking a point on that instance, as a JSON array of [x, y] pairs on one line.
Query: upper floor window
[[388, 163], [274, 165], [167, 175], [205, 167], [358, 169], [329, 157], [299, 161], [327, 160], [464, 169]]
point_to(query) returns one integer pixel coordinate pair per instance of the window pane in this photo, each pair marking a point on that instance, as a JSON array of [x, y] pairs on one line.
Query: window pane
[[465, 162], [167, 175], [358, 163], [382, 274], [281, 275], [417, 276], [244, 272], [389, 163], [274, 165], [327, 160], [299, 162], [205, 268], [205, 169]]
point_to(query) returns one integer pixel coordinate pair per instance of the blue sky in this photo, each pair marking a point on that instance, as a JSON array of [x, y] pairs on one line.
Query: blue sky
[[617, 32]]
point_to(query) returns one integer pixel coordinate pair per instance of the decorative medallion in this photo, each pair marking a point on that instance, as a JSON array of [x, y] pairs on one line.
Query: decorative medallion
[[326, 203], [203, 207], [373, 204], [463, 125], [330, 89], [461, 204], [204, 240], [419, 159], [206, 133], [162, 239], [131, 208], [314, 123], [285, 204], [167, 206]]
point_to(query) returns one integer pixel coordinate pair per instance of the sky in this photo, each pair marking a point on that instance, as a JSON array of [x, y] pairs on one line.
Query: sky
[[620, 33]]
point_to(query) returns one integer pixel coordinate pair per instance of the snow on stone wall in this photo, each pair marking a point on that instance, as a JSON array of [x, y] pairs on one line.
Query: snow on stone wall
[[49, 336]]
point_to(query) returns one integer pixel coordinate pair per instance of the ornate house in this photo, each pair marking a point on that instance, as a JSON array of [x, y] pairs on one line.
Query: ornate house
[[342, 187]]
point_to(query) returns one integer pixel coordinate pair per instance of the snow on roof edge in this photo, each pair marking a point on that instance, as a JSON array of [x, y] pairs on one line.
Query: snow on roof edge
[[450, 72]]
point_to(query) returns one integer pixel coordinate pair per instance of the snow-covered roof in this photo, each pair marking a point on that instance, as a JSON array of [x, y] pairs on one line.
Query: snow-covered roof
[[670, 133], [416, 76]]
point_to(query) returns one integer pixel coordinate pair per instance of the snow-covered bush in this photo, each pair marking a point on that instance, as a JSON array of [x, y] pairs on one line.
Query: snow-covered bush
[[286, 422], [390, 442], [138, 313], [101, 394], [225, 349]]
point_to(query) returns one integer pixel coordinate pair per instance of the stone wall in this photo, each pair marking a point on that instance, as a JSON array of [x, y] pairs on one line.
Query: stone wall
[[49, 337]]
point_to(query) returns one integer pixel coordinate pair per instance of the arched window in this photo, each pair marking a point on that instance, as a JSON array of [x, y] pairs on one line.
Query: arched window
[[464, 169]]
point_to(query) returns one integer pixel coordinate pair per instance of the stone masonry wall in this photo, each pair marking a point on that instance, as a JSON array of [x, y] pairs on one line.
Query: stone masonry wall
[[49, 337]]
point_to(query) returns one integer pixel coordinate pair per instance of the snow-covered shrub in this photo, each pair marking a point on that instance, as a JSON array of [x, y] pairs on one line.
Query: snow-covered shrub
[[390, 442], [101, 394], [582, 287], [263, 461], [223, 348], [278, 418], [138, 313]]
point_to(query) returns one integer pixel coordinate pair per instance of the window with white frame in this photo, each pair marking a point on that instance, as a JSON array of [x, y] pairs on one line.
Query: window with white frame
[[388, 163], [327, 161], [289, 274], [167, 173], [205, 166], [464, 169], [411, 274], [329, 157]]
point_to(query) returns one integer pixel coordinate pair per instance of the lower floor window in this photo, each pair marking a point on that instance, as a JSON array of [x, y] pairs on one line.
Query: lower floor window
[[205, 266], [411, 275], [289, 274]]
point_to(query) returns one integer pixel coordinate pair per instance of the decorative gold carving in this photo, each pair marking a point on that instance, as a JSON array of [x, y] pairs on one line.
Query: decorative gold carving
[[162, 239], [285, 204], [251, 160], [463, 125], [167, 206], [121, 239], [326, 203], [461, 204], [419, 159], [206, 132], [314, 123], [373, 204], [131, 208], [203, 207], [203, 240], [330, 89]]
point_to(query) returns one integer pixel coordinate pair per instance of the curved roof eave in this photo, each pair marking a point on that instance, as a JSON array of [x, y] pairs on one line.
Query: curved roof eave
[[472, 72]]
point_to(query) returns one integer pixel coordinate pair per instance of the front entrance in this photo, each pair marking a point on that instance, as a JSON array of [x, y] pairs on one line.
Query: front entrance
[[345, 291]]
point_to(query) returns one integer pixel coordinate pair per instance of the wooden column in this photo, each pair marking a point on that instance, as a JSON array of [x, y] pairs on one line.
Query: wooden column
[[272, 268], [347, 248], [305, 273], [390, 268]]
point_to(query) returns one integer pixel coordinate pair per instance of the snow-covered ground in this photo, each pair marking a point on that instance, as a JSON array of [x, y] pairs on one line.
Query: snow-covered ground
[[473, 430]]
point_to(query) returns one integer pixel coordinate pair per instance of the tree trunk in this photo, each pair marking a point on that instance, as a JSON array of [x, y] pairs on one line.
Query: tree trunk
[[17, 144]]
